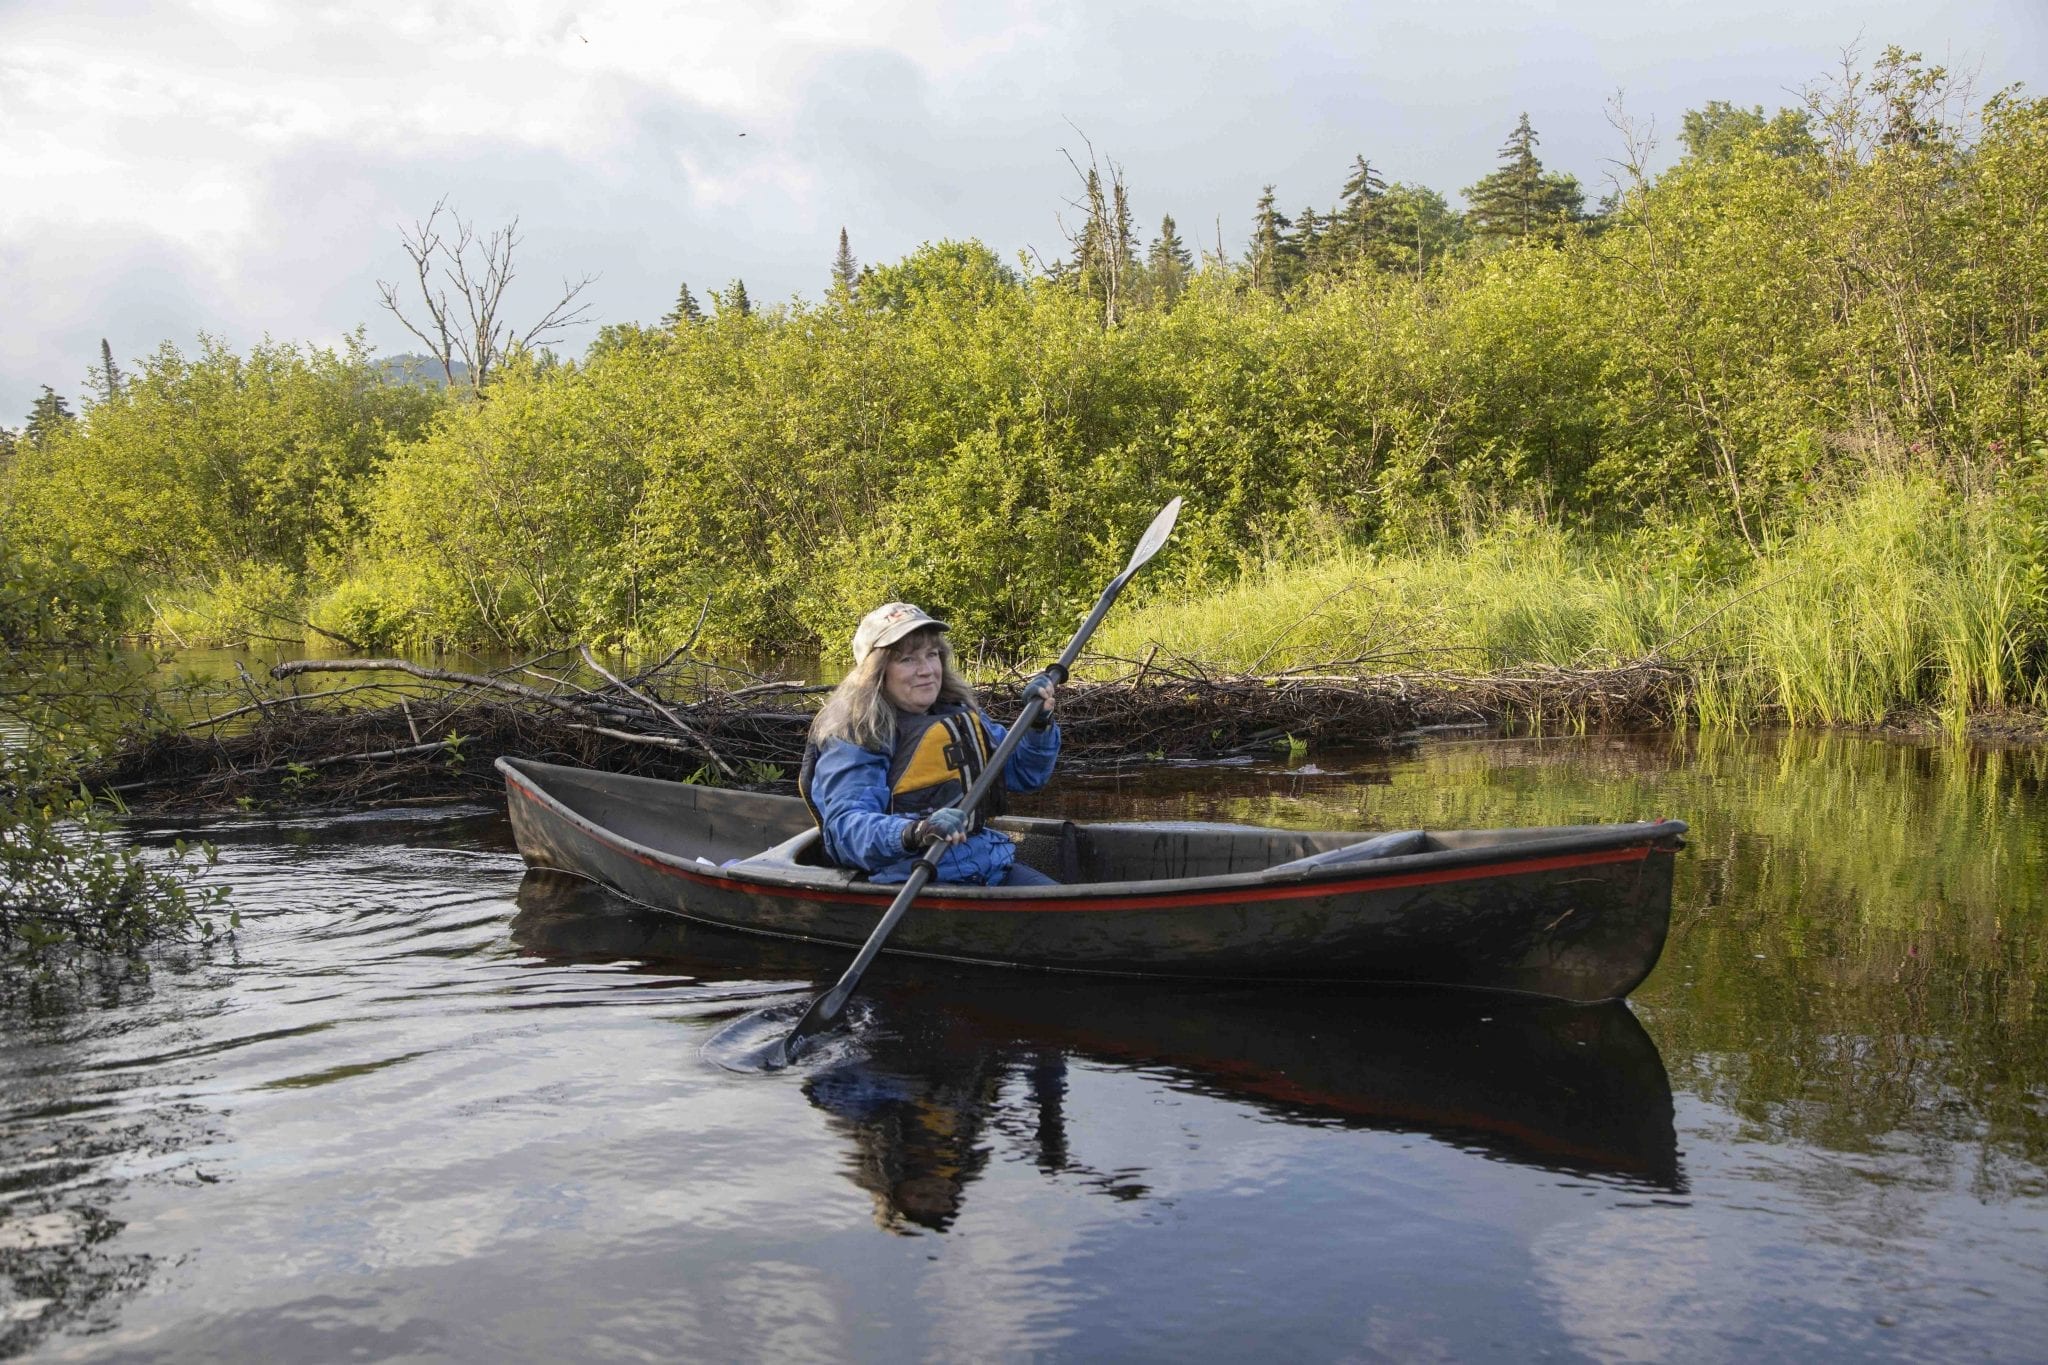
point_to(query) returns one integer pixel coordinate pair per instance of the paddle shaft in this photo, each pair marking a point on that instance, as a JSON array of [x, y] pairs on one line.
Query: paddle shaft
[[825, 1009]]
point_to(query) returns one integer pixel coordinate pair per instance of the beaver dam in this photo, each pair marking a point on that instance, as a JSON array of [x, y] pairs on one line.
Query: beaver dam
[[398, 731]]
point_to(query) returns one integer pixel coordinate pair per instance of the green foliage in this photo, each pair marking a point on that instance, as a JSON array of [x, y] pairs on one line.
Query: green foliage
[[1419, 228], [1721, 130], [1806, 308], [732, 301], [210, 469], [71, 887], [1753, 340], [46, 595], [1270, 260]]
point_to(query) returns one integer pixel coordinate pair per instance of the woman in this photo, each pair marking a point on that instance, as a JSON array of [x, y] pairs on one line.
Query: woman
[[897, 745]]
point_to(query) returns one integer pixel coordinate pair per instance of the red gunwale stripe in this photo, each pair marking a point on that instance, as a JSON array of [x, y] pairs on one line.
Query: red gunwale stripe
[[1161, 901]]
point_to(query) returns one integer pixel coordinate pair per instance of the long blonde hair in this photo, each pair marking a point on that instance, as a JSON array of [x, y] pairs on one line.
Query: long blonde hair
[[859, 711]]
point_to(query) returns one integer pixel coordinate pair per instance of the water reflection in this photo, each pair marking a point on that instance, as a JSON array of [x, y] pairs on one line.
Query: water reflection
[[1859, 942], [945, 1054], [372, 1126]]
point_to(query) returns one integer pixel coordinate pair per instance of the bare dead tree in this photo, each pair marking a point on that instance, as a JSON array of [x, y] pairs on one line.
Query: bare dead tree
[[1105, 258], [470, 326]]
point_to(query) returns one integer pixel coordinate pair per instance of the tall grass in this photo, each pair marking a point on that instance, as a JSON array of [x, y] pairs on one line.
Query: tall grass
[[1906, 596], [1523, 593]]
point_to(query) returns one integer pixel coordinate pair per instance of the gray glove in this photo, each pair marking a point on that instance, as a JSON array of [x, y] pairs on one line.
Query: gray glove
[[1042, 685], [946, 825]]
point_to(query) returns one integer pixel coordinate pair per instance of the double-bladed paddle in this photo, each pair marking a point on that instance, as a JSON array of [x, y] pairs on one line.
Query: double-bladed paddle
[[826, 1008]]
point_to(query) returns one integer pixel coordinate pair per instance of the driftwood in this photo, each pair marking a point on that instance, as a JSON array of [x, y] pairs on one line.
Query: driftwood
[[433, 733]]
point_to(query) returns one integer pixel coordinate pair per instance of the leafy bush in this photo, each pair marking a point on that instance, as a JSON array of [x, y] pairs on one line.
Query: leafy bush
[[71, 887]]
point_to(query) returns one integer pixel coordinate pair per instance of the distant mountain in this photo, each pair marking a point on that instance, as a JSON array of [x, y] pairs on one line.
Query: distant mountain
[[422, 371]]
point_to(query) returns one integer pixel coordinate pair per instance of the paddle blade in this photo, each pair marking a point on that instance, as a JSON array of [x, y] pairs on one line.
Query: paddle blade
[[1155, 535]]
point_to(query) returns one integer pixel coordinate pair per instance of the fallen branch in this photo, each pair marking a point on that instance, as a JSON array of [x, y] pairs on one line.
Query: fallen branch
[[327, 762], [672, 718], [295, 667]]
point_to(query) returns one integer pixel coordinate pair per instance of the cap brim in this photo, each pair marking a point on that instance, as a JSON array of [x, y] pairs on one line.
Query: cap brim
[[897, 632]]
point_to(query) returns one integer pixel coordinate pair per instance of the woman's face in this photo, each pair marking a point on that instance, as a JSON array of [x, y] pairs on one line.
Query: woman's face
[[915, 670]]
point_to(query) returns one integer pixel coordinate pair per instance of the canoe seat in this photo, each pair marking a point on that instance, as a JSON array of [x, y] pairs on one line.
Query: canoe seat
[[801, 851], [1379, 846]]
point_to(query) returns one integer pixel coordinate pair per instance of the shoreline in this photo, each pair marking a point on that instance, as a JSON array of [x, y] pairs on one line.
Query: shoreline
[[437, 735]]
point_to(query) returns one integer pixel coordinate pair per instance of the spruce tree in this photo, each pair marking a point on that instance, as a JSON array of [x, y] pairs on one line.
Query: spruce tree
[[1267, 257], [1168, 264], [1122, 243], [110, 377], [845, 270], [1089, 245], [1303, 251], [49, 415], [734, 300], [686, 311], [1359, 229], [1521, 200]]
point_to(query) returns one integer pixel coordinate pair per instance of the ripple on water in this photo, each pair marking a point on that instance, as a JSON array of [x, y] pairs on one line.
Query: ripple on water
[[422, 1105]]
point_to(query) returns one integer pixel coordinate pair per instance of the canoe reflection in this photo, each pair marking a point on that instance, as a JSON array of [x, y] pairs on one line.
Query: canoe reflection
[[948, 1052]]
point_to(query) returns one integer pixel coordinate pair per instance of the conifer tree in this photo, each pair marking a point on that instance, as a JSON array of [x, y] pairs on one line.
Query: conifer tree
[[1123, 239], [734, 300], [1521, 199], [686, 311], [1358, 229], [49, 415], [110, 377], [1088, 245], [845, 270], [1267, 257], [1302, 252], [1168, 264]]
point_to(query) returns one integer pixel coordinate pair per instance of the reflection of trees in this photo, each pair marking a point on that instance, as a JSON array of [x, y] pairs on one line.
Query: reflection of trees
[[1858, 955]]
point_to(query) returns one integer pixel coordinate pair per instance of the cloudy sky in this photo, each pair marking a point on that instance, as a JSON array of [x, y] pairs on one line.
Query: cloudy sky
[[242, 167]]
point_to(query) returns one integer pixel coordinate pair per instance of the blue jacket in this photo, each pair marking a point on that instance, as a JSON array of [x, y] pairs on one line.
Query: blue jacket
[[850, 788]]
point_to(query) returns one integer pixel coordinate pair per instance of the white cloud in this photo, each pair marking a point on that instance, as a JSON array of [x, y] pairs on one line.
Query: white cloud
[[265, 151]]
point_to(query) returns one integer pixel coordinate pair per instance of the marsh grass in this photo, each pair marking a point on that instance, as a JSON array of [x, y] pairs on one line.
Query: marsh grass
[[1905, 596]]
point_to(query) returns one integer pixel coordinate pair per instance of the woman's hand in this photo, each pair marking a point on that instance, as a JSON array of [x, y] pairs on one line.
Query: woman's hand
[[1041, 686], [946, 825]]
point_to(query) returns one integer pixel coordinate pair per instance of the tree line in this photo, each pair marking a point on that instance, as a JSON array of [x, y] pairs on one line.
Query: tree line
[[1696, 366]]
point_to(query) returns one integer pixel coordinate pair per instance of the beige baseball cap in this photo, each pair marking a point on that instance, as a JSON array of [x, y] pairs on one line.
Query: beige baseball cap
[[887, 624]]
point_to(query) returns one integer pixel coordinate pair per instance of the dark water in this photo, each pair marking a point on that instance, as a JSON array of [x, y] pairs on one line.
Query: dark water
[[426, 1108]]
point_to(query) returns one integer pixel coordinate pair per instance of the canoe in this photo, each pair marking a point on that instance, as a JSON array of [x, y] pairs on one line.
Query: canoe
[[1574, 912]]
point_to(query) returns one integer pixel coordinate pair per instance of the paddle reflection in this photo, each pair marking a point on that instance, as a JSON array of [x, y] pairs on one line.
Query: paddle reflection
[[948, 1053]]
